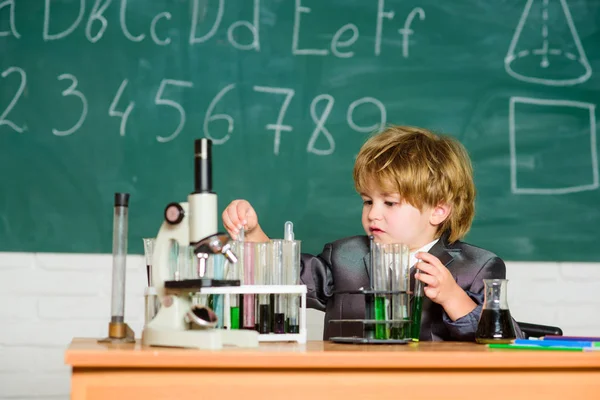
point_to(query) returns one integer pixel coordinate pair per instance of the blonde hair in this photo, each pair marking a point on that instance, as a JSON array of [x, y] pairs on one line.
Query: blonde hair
[[425, 168]]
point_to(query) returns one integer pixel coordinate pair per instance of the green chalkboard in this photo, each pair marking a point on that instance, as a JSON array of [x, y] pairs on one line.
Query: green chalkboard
[[98, 97]]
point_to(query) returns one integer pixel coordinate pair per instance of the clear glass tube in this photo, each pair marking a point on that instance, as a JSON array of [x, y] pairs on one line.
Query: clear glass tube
[[261, 277], [247, 258], [278, 301], [291, 263], [234, 271], [120, 225]]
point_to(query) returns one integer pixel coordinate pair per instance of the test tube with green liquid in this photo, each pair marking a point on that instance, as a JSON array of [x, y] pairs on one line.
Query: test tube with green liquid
[[234, 271], [380, 284], [417, 310]]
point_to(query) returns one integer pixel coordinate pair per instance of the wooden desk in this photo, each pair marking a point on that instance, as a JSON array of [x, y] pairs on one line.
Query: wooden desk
[[319, 370]]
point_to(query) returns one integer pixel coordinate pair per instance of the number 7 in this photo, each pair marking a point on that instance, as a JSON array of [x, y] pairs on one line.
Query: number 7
[[278, 127]]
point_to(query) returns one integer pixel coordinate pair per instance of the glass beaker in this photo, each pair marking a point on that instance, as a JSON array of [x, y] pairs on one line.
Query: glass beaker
[[391, 282], [495, 322]]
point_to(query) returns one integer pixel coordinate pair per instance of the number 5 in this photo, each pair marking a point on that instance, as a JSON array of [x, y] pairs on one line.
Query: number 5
[[159, 100]]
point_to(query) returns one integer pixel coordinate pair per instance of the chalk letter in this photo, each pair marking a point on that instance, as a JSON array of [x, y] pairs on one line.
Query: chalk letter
[[47, 36], [213, 30], [253, 27], [13, 29], [153, 34], [335, 43], [96, 14], [128, 35], [295, 50], [406, 31], [380, 16]]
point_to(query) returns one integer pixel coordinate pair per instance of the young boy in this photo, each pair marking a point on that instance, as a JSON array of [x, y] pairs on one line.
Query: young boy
[[417, 189]]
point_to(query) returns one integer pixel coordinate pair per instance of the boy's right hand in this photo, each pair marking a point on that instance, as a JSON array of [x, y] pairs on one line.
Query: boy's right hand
[[238, 214]]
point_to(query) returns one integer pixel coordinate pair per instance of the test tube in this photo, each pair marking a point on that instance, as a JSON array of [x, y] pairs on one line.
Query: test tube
[[416, 309], [248, 304], [151, 299], [216, 270], [120, 225], [235, 272], [148, 252], [398, 259], [263, 319], [291, 261], [278, 303], [380, 284]]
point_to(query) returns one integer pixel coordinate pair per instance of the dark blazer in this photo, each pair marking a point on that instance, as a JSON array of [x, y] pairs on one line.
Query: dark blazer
[[344, 265]]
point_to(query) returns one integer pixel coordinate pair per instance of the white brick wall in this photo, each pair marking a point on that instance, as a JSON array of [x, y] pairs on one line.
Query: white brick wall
[[47, 299]]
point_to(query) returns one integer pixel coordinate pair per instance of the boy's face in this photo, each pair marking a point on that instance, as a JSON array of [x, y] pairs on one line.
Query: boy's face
[[391, 220]]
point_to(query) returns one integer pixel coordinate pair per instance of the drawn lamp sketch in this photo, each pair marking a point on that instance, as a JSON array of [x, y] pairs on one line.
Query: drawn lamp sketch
[[552, 141], [545, 48]]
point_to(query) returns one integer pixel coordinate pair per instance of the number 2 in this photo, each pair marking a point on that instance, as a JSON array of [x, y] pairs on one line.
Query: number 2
[[13, 102]]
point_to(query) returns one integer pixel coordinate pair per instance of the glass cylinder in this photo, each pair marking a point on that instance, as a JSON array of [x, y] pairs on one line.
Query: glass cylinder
[[495, 322], [120, 228]]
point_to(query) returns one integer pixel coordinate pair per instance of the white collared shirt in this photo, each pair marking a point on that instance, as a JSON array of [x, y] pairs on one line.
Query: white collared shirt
[[426, 248]]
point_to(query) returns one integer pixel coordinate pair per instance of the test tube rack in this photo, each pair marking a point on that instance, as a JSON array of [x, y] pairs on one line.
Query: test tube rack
[[227, 291]]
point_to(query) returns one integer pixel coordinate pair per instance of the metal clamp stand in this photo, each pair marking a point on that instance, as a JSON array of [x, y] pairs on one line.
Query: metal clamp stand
[[369, 323]]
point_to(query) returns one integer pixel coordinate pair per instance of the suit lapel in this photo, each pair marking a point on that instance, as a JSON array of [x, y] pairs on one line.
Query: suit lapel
[[367, 262], [442, 251]]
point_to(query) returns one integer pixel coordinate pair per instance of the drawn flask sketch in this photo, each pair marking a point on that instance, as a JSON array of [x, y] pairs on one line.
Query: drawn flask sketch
[[545, 48]]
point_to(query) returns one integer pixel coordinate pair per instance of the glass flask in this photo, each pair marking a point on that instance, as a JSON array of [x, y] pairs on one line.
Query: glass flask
[[495, 322]]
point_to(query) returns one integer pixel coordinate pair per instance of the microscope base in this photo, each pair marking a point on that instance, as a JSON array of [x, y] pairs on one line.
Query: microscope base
[[209, 339]]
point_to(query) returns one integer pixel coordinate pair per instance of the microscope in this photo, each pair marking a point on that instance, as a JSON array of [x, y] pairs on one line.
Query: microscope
[[179, 323]]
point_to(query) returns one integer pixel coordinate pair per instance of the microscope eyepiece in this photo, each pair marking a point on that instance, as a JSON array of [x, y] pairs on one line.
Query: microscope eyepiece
[[203, 166]]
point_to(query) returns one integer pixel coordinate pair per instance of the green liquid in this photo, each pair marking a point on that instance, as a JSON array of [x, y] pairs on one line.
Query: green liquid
[[417, 310], [235, 317], [381, 330], [398, 332]]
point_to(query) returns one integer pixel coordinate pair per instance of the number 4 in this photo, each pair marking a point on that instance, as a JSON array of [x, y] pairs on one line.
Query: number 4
[[124, 115]]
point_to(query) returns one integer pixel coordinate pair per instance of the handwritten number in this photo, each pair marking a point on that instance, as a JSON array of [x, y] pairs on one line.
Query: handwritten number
[[13, 102], [159, 100], [208, 118], [112, 111], [72, 91]]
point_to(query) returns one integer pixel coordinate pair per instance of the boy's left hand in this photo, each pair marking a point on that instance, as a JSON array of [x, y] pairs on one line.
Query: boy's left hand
[[441, 285]]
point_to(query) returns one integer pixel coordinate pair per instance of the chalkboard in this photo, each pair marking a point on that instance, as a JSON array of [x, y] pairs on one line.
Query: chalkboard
[[98, 97]]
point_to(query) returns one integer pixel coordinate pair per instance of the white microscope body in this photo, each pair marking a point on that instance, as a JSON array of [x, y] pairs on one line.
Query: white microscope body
[[188, 223]]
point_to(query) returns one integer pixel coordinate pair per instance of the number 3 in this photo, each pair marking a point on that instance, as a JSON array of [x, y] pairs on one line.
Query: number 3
[[72, 91]]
